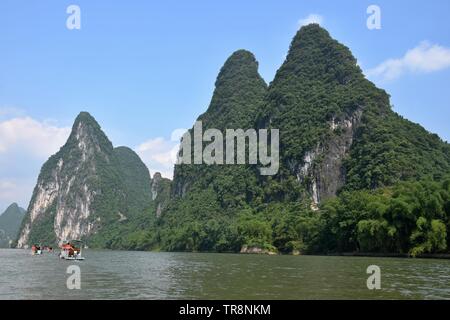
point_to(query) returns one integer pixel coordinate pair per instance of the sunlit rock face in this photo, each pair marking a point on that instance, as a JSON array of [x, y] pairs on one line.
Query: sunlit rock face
[[160, 192], [325, 177], [83, 188]]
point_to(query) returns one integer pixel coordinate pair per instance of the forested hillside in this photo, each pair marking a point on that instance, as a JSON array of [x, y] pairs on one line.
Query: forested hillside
[[339, 138]]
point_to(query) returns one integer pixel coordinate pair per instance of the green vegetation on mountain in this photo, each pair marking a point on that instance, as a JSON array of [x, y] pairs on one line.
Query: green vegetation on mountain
[[136, 180], [207, 198], [410, 217], [95, 191], [135, 203], [238, 95], [338, 137], [319, 81], [389, 149], [10, 221], [137, 230]]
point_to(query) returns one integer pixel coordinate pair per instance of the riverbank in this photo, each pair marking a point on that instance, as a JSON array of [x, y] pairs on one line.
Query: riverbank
[[259, 251], [391, 255]]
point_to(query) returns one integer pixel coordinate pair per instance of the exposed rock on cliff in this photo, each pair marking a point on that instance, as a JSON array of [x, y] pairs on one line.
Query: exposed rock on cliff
[[84, 188], [160, 191], [323, 168]]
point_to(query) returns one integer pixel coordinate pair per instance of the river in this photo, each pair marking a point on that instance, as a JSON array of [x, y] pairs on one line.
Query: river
[[151, 275]]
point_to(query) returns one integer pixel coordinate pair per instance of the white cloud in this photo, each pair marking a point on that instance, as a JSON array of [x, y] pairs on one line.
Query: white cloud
[[312, 18], [27, 135], [160, 154], [6, 185], [15, 190], [24, 144], [8, 194], [425, 58], [6, 111]]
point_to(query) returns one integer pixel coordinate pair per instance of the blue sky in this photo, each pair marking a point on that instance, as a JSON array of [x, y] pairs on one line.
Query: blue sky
[[146, 68]]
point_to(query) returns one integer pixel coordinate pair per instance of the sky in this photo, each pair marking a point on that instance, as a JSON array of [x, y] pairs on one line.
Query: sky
[[145, 69]]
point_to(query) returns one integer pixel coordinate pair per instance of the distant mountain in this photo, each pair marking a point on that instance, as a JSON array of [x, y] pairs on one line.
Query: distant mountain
[[10, 222], [88, 191]]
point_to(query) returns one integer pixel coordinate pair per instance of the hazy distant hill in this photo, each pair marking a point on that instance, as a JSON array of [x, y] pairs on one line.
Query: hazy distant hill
[[10, 221]]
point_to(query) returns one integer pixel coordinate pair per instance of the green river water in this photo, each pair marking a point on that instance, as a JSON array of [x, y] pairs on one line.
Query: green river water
[[150, 275]]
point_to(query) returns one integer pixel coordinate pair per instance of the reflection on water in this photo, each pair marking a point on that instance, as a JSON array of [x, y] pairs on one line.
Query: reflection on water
[[149, 275]]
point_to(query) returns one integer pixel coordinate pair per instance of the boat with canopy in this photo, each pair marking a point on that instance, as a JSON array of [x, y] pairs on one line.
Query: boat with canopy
[[72, 250]]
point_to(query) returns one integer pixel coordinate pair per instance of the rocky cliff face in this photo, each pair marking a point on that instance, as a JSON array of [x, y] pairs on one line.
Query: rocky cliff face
[[160, 192], [84, 188], [155, 185], [322, 168]]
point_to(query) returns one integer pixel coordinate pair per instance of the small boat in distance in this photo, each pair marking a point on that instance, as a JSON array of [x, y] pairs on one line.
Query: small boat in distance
[[70, 251], [36, 250]]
